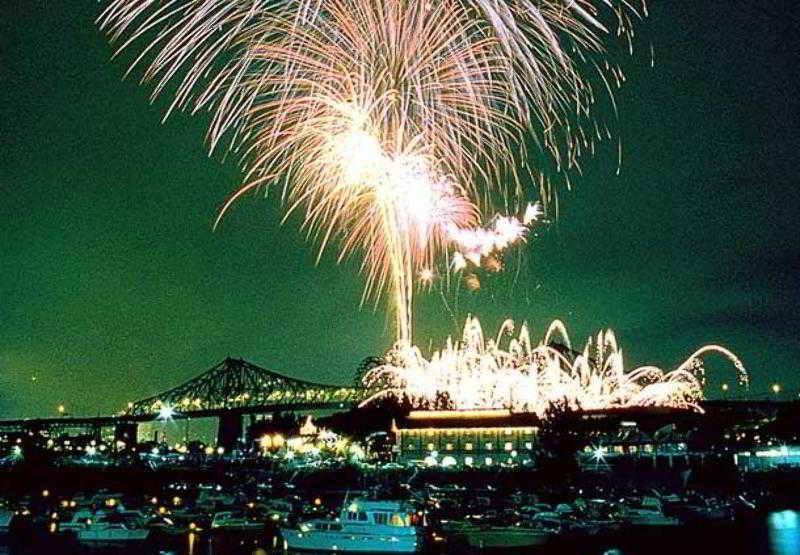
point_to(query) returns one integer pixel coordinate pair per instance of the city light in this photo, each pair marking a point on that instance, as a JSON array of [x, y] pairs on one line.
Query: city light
[[166, 413], [599, 454]]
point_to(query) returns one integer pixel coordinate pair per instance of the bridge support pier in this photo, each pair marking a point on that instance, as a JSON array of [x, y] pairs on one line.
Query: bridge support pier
[[127, 432], [229, 431]]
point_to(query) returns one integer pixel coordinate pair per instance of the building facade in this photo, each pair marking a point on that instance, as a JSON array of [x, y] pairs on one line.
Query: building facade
[[467, 438]]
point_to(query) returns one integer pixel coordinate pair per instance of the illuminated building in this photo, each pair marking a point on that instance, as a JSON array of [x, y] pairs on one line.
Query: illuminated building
[[467, 438]]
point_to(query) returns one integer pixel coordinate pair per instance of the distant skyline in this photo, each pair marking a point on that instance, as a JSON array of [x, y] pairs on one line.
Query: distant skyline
[[114, 286]]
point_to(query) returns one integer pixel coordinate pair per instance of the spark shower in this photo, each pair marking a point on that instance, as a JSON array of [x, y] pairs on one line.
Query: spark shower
[[423, 135]]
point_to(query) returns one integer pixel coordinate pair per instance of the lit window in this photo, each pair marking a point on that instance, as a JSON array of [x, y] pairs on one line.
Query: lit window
[[449, 447], [430, 447], [508, 446], [528, 445], [468, 461], [489, 446], [488, 461], [468, 446], [400, 520]]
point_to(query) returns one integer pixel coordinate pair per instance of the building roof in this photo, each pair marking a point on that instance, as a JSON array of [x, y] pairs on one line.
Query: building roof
[[467, 419], [649, 418]]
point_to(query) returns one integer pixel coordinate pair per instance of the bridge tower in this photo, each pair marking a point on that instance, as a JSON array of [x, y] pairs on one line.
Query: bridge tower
[[229, 430], [127, 432]]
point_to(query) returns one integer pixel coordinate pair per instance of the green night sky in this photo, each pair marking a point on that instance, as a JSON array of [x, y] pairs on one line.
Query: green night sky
[[114, 286]]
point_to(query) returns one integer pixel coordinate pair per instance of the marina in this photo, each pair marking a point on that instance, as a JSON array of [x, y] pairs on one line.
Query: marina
[[257, 512]]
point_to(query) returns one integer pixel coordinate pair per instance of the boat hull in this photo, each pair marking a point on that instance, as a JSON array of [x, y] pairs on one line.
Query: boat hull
[[112, 536], [654, 521], [492, 538], [349, 542]]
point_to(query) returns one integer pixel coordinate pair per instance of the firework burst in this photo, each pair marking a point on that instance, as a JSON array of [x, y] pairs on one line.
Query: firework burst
[[392, 124], [512, 372]]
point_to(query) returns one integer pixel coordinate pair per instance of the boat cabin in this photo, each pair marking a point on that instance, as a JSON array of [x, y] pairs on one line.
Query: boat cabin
[[385, 513]]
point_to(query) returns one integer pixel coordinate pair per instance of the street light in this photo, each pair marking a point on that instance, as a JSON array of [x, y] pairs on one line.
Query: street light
[[776, 388]]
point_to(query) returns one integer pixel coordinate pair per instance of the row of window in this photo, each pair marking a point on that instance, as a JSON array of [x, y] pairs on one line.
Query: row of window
[[633, 449], [468, 446], [484, 432], [388, 519], [470, 461]]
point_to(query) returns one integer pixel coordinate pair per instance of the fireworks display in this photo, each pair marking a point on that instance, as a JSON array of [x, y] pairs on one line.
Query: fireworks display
[[512, 372], [396, 127], [393, 124]]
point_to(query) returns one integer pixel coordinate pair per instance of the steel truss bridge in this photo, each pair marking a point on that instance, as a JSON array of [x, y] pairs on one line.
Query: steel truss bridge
[[235, 388], [236, 384], [229, 390]]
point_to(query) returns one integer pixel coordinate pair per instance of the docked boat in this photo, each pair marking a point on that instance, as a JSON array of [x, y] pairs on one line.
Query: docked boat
[[649, 513], [277, 510], [701, 509], [490, 537], [79, 521], [594, 516], [125, 527], [236, 520], [362, 527], [6, 516], [214, 500]]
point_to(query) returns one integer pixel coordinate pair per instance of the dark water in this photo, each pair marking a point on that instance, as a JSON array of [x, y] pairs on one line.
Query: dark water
[[776, 534]]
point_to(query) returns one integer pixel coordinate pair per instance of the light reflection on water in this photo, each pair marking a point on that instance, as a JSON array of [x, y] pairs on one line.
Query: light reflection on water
[[776, 534], [784, 532], [192, 541]]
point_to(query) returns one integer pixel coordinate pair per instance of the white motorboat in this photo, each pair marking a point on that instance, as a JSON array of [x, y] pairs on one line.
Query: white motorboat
[[362, 527]]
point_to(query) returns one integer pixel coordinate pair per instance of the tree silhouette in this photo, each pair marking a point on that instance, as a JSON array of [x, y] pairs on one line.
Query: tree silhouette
[[561, 436]]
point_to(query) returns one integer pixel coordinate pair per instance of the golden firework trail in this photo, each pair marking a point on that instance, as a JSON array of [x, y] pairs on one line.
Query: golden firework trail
[[394, 125], [512, 372]]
